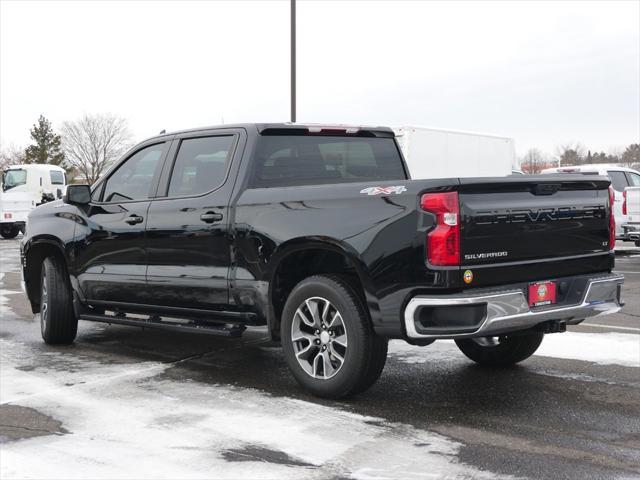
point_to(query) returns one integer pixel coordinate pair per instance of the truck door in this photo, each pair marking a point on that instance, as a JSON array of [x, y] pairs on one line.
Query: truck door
[[110, 254], [188, 241]]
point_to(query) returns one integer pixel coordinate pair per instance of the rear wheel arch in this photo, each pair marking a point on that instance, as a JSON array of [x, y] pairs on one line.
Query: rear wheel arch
[[298, 260], [37, 251]]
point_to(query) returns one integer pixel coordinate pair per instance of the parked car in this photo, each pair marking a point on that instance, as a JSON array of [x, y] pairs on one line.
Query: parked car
[[632, 228], [319, 234], [23, 188], [621, 178]]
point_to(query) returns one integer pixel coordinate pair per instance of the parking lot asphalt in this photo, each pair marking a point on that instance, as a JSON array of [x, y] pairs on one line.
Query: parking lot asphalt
[[124, 402]]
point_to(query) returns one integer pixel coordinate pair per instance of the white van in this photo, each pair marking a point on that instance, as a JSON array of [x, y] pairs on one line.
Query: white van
[[621, 178], [24, 187]]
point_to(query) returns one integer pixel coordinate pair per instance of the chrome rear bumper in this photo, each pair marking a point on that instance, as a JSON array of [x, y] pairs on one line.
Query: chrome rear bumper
[[508, 310], [632, 231]]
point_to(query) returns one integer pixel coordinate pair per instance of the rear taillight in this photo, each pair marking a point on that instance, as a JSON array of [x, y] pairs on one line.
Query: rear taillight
[[612, 220], [443, 242], [624, 202]]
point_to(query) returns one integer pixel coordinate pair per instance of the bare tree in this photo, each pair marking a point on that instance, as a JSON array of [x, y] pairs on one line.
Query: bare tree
[[11, 155], [533, 161], [92, 143], [570, 154]]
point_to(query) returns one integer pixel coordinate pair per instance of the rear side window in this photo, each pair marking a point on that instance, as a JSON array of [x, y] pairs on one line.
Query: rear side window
[[134, 178], [634, 179], [618, 180], [201, 165], [57, 178], [313, 160]]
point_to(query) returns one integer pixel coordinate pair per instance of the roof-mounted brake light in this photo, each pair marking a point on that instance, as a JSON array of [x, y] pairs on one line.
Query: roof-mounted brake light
[[327, 130]]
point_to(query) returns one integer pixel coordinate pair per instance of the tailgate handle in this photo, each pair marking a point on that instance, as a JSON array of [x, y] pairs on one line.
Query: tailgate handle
[[545, 188]]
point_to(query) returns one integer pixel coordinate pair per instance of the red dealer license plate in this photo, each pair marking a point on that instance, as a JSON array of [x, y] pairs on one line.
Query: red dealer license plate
[[542, 293]]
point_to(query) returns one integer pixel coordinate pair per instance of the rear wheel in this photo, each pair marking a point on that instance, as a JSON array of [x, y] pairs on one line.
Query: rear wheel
[[58, 323], [500, 351], [9, 231], [328, 340]]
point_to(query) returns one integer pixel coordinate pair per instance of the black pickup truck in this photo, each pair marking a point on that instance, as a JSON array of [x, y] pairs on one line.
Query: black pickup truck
[[319, 234]]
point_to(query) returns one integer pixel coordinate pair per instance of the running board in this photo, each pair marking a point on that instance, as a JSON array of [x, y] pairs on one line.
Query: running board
[[191, 326]]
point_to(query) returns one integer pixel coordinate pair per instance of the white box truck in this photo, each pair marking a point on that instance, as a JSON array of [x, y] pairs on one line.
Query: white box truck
[[437, 153], [23, 188]]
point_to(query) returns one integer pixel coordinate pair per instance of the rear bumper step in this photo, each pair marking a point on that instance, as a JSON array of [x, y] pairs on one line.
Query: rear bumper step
[[488, 314]]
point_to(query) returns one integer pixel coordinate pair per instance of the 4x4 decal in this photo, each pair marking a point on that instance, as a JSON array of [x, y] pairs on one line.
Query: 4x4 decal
[[397, 189]]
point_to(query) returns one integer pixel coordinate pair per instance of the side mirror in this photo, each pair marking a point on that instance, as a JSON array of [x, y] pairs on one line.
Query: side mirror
[[77, 195]]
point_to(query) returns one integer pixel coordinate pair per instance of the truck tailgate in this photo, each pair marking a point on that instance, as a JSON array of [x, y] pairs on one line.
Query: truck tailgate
[[533, 218]]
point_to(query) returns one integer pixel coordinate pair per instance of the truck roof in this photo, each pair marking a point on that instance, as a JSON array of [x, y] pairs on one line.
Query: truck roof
[[279, 128], [34, 166], [588, 168]]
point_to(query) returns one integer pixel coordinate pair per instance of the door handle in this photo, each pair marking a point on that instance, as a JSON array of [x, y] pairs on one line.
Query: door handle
[[210, 217], [134, 219]]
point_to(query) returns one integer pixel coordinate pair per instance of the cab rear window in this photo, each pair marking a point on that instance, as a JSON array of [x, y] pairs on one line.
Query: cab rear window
[[284, 160], [618, 180]]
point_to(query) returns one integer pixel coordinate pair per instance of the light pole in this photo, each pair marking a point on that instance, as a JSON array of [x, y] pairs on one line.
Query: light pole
[[293, 60]]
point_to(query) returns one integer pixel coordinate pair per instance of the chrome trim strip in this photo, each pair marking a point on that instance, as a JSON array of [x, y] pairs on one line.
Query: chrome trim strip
[[509, 310], [531, 262]]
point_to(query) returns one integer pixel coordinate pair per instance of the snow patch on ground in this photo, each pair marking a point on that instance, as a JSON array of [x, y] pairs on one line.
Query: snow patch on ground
[[441, 350], [132, 421], [602, 348]]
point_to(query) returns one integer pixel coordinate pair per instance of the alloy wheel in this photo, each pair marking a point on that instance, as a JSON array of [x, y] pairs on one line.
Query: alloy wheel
[[44, 303], [319, 338]]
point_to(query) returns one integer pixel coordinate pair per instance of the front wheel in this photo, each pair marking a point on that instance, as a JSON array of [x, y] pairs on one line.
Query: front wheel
[[328, 340], [58, 322], [9, 231], [501, 351]]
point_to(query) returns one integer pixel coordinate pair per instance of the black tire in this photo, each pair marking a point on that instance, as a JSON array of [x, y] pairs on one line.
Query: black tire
[[9, 231], [365, 354], [637, 243], [508, 350], [58, 322]]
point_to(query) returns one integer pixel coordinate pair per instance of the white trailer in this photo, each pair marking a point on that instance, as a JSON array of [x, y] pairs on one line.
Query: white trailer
[[24, 187], [437, 153]]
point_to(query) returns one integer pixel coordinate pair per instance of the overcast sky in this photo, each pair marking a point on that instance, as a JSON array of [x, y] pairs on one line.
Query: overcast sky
[[545, 73]]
